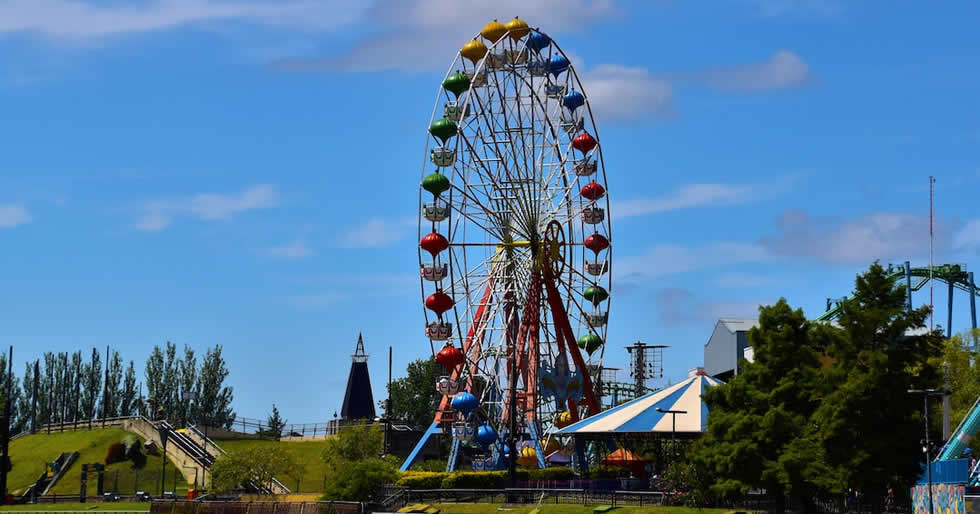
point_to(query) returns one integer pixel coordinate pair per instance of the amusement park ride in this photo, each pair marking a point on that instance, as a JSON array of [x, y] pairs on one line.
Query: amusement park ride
[[514, 249]]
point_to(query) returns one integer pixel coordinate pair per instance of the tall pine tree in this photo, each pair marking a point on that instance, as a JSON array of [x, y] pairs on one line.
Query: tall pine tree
[[214, 397], [92, 383], [127, 397]]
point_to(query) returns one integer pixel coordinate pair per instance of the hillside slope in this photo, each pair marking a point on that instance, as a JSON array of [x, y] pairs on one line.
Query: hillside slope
[[29, 453], [309, 453]]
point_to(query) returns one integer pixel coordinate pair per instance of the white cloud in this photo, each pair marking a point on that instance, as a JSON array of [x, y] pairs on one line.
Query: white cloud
[[294, 250], [687, 196], [378, 232], [678, 306], [664, 260], [80, 19], [968, 237], [13, 215], [425, 34], [882, 235], [740, 280], [159, 214], [622, 92], [782, 70]]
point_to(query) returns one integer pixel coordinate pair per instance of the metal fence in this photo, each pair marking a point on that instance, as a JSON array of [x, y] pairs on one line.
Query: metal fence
[[235, 507], [534, 496]]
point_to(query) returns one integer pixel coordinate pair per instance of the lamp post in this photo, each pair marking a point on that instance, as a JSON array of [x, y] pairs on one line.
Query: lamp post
[[927, 447], [673, 427]]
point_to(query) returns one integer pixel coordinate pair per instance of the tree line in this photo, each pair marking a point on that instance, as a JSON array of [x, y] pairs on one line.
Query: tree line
[[80, 387], [827, 409]]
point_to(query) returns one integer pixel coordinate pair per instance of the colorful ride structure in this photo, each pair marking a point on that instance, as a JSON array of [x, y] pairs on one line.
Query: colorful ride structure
[[514, 249]]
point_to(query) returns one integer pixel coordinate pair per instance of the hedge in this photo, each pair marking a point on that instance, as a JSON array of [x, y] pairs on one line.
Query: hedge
[[422, 479]]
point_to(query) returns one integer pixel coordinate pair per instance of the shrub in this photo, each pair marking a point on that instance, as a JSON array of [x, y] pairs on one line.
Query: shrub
[[437, 466], [422, 479], [115, 453], [606, 472], [358, 481], [480, 479], [556, 473]]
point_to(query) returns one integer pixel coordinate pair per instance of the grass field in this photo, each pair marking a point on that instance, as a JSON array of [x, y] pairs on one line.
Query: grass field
[[29, 453], [307, 452], [80, 507], [487, 508]]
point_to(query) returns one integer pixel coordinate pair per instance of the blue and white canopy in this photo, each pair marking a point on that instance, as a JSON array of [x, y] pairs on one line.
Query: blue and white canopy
[[640, 415]]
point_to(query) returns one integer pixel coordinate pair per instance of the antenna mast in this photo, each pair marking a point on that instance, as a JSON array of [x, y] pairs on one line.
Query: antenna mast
[[932, 180]]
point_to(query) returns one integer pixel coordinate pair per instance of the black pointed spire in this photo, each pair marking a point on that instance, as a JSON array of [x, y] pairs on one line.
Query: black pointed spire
[[358, 400]]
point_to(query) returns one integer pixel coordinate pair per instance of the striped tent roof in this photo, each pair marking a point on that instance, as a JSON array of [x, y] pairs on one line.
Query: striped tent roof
[[640, 415]]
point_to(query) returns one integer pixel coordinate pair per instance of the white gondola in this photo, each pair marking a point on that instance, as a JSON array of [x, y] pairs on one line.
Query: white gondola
[[447, 386], [443, 157], [435, 211], [555, 91], [597, 268], [464, 430], [516, 57], [434, 272], [454, 111], [572, 123], [593, 215], [482, 463], [439, 331], [585, 167], [477, 79], [597, 319], [538, 68], [496, 61]]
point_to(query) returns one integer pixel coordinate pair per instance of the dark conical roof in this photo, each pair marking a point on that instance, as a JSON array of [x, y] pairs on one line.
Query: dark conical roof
[[358, 400]]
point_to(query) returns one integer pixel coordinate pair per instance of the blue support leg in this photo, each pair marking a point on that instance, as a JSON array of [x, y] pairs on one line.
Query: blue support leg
[[537, 444], [433, 429], [908, 285], [453, 456], [973, 302]]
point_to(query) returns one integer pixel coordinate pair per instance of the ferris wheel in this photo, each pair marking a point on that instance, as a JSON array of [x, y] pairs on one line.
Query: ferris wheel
[[514, 245]]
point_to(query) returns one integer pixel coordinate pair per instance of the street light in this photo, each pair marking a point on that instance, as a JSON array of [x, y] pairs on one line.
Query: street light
[[926, 393], [673, 427]]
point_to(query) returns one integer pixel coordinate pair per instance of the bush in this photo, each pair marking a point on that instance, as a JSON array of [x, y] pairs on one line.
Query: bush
[[480, 479], [358, 481], [115, 453], [422, 479], [436, 466], [556, 473], [607, 472]]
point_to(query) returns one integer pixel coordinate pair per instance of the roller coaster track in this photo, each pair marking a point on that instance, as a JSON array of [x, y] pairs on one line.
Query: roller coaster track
[[953, 275]]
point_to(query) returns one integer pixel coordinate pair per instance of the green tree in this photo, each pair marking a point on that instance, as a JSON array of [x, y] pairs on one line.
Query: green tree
[[127, 397], [356, 469], [413, 397], [113, 391], [261, 465], [92, 382], [354, 443], [759, 431], [883, 351], [214, 397], [275, 424], [958, 352], [187, 383]]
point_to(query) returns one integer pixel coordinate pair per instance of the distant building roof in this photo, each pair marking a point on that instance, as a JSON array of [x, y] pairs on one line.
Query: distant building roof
[[739, 325]]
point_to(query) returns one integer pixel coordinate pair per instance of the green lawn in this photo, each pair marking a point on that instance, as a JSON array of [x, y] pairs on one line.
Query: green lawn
[[309, 453], [29, 454], [481, 508], [81, 507]]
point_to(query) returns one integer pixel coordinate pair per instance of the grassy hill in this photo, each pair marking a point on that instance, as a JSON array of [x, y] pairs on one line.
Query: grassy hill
[[307, 452], [29, 453]]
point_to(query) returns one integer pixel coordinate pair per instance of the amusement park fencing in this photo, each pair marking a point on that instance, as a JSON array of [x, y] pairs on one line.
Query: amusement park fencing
[[264, 507], [395, 498], [259, 429]]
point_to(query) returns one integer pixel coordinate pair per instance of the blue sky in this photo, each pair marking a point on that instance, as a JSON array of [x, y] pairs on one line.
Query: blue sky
[[246, 173]]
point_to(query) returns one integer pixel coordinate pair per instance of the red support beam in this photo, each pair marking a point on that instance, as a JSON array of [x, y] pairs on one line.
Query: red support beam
[[477, 329], [562, 324]]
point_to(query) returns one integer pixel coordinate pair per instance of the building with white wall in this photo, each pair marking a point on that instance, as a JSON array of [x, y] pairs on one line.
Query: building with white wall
[[729, 342]]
